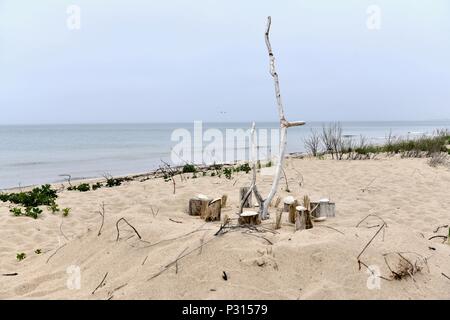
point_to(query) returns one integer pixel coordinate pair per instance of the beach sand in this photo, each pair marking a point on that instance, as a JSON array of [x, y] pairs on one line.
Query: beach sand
[[319, 263]]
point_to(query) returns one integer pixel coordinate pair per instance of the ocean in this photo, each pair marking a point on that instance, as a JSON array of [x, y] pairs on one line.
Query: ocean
[[37, 154]]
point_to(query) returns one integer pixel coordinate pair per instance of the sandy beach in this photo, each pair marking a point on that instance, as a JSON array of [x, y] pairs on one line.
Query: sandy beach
[[320, 263]]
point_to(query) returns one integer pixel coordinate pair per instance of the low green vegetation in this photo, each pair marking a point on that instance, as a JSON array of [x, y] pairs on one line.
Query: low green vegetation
[[30, 201], [38, 251], [189, 168], [66, 211], [40, 196], [20, 256], [331, 141]]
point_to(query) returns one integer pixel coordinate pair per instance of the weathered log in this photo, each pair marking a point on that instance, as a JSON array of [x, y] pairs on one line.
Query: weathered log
[[213, 211], [303, 219], [224, 200], [278, 219], [289, 206], [324, 208], [198, 205], [243, 192], [249, 217]]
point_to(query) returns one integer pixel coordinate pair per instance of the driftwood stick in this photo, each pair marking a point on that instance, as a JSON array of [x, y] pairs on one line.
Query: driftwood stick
[[368, 243], [443, 237], [118, 232], [284, 124], [102, 214], [56, 251], [101, 284]]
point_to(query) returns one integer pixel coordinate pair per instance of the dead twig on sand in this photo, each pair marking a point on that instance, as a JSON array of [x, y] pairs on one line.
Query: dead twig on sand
[[101, 284], [176, 221], [10, 274], [102, 214], [181, 256], [318, 225], [445, 275], [248, 232], [443, 237], [371, 215], [368, 244], [56, 251], [366, 188], [118, 232], [440, 227], [60, 228], [154, 213], [176, 260]]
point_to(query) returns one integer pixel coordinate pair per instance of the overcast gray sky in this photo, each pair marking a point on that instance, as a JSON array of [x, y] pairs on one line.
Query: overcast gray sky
[[158, 61]]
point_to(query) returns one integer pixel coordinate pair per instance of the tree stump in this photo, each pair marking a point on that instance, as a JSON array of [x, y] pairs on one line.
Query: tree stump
[[243, 191], [303, 219], [249, 217], [278, 219], [224, 200], [289, 206], [324, 208], [198, 205], [213, 211]]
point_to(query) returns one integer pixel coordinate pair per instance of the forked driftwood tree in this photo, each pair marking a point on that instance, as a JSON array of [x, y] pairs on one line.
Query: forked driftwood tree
[[284, 125]]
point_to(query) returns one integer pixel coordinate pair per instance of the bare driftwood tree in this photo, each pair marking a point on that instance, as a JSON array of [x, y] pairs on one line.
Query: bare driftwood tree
[[284, 124]]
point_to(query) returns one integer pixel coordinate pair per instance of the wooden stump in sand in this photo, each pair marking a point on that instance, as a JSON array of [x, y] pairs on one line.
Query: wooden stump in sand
[[224, 200], [242, 192], [198, 205], [289, 206], [249, 217], [324, 209], [213, 211], [303, 219]]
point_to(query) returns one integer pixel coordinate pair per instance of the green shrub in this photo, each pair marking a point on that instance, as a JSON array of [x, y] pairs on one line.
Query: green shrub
[[113, 182], [44, 195], [84, 187], [38, 251], [66, 211], [227, 172], [53, 208], [243, 167], [187, 168], [32, 212], [96, 186], [21, 256]]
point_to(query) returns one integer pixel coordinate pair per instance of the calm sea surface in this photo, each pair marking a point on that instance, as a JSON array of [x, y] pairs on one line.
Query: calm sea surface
[[36, 154]]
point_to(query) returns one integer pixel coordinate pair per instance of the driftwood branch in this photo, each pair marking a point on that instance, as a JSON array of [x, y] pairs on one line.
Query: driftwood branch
[[284, 124], [101, 284], [102, 214], [118, 232]]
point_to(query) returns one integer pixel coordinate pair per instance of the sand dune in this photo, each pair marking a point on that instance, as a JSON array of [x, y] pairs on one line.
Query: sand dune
[[320, 263]]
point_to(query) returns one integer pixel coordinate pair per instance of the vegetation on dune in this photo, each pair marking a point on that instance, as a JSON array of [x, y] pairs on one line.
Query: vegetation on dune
[[331, 141], [31, 200]]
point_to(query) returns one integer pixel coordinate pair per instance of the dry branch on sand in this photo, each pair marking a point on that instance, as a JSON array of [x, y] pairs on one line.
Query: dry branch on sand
[[118, 231]]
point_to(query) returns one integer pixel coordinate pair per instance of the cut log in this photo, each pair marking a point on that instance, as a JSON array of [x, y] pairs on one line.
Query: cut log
[[224, 200], [303, 219], [198, 205], [249, 217], [289, 206], [243, 192], [213, 211], [278, 219], [324, 208]]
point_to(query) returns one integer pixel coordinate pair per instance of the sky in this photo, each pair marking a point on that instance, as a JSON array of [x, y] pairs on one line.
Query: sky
[[180, 61]]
